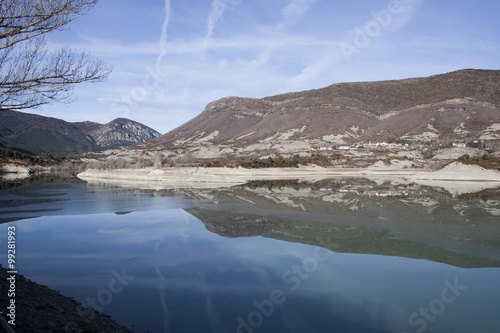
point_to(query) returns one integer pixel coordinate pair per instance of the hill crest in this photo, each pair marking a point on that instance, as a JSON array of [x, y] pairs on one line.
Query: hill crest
[[32, 133], [458, 106]]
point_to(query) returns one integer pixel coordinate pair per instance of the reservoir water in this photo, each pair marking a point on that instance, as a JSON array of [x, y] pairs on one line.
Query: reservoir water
[[338, 255]]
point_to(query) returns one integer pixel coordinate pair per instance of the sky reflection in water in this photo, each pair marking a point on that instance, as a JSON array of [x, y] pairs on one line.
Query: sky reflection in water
[[187, 279]]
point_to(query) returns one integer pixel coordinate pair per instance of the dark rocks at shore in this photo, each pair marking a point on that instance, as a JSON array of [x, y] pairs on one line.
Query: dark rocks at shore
[[41, 309]]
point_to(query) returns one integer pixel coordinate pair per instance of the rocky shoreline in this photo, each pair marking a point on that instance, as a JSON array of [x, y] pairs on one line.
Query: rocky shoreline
[[217, 177], [43, 310], [12, 171]]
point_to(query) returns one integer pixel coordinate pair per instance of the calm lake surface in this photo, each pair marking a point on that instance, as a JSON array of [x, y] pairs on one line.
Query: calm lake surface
[[333, 256]]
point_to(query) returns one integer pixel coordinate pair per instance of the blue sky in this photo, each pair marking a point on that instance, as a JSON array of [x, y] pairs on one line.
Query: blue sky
[[172, 57]]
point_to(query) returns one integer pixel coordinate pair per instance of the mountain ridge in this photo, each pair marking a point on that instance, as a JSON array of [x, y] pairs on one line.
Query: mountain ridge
[[458, 106], [364, 89], [118, 132], [34, 133]]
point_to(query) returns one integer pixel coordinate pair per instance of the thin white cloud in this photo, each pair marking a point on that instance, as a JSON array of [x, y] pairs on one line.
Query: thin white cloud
[[214, 16], [397, 20], [406, 11], [256, 43], [318, 68], [294, 11], [394, 17], [106, 47], [274, 38], [163, 36], [219, 7]]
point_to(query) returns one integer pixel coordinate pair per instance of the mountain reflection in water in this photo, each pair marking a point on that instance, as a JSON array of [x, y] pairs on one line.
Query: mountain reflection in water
[[360, 216], [338, 255]]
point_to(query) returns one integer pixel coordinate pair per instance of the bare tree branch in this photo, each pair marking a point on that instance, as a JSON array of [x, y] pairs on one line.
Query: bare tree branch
[[30, 76], [21, 20]]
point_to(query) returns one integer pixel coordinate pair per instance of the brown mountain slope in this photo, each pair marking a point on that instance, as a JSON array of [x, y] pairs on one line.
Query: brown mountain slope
[[385, 96], [461, 105], [459, 119]]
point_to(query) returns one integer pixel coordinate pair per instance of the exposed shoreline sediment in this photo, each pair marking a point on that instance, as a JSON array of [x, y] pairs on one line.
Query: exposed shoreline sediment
[[194, 177]]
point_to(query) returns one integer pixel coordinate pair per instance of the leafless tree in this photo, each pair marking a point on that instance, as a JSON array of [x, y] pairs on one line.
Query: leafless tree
[[30, 74]]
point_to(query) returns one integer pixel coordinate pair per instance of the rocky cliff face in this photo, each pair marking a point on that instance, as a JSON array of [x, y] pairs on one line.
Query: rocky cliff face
[[119, 132], [458, 106]]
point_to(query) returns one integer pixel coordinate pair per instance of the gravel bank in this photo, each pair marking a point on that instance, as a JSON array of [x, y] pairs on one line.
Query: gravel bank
[[193, 177], [40, 309]]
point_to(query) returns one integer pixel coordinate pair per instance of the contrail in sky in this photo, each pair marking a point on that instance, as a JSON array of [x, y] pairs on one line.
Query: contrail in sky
[[163, 37], [219, 7], [214, 16], [295, 10]]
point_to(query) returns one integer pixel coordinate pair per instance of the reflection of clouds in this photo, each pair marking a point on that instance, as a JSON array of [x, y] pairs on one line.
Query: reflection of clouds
[[162, 284], [151, 226], [175, 258], [163, 302], [214, 317], [133, 228], [178, 261]]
